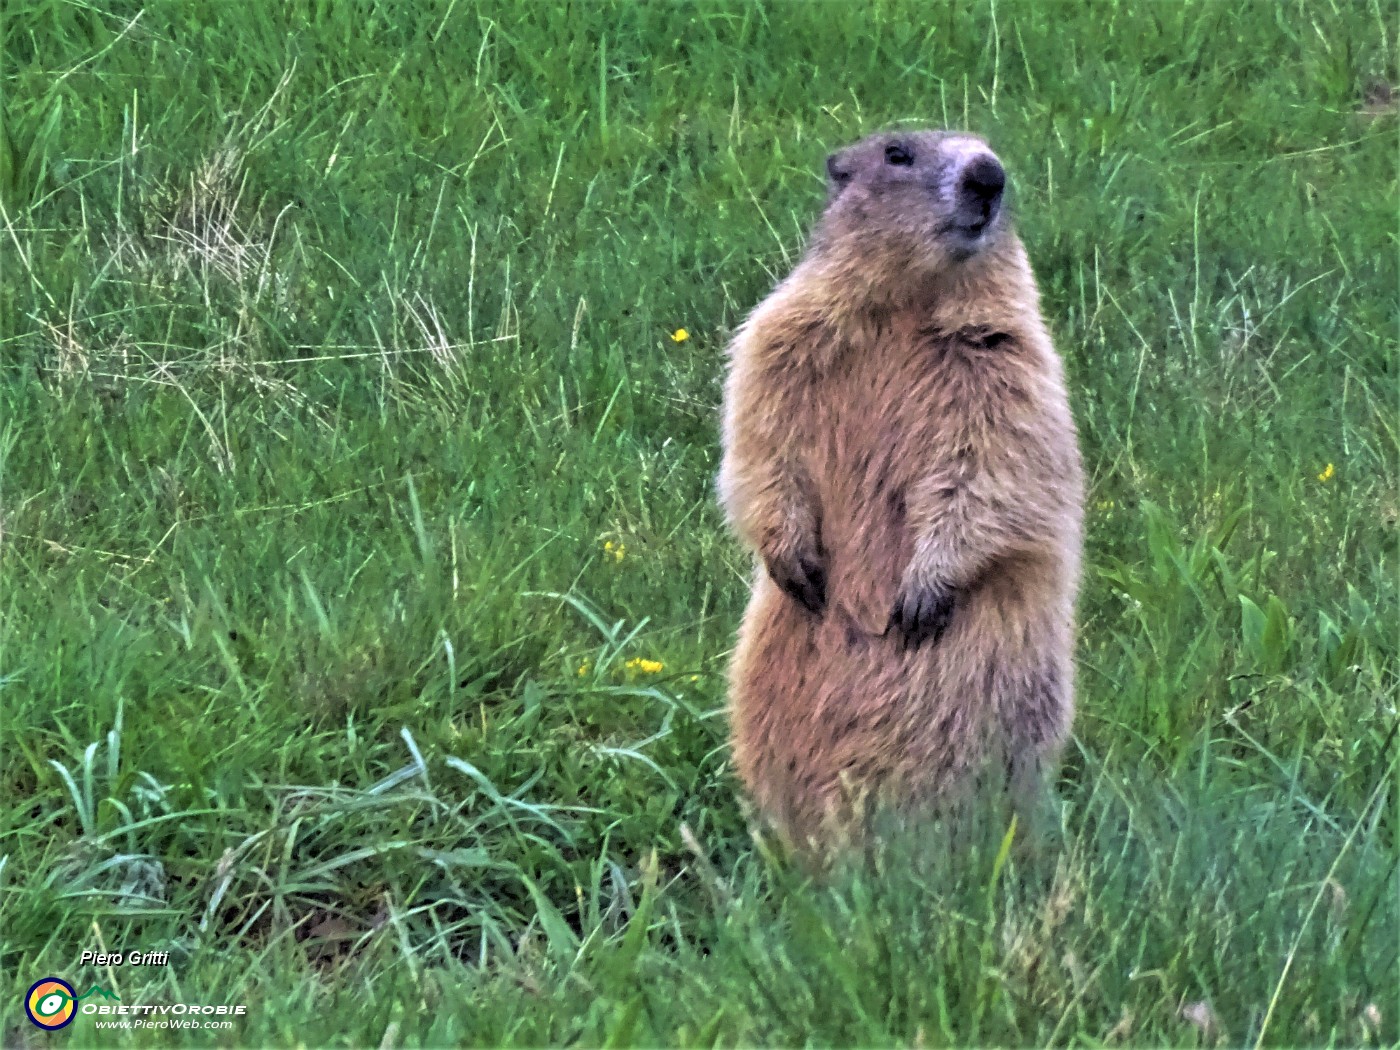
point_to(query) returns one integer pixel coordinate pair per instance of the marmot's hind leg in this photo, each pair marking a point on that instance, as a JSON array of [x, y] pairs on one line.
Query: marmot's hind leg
[[1036, 726]]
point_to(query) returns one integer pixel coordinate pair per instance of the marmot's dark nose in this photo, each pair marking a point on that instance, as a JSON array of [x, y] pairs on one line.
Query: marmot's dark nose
[[984, 178], [979, 191]]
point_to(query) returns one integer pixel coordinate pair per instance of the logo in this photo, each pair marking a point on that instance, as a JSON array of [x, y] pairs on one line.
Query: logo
[[52, 1002]]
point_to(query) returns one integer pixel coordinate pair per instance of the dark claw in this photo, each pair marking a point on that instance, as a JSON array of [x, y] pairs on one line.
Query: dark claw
[[804, 580], [921, 615]]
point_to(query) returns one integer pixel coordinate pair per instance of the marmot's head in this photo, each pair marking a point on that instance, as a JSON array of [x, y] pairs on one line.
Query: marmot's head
[[913, 202]]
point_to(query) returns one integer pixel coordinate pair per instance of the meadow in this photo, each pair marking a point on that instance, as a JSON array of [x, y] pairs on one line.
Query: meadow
[[364, 600]]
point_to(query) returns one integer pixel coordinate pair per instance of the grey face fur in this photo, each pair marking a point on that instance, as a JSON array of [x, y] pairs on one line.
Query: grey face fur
[[933, 197]]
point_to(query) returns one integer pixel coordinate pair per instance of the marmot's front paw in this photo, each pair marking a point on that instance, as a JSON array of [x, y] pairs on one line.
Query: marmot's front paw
[[921, 614], [803, 577]]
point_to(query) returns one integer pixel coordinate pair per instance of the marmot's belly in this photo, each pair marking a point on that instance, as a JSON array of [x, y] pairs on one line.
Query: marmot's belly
[[866, 537], [818, 700], [821, 707]]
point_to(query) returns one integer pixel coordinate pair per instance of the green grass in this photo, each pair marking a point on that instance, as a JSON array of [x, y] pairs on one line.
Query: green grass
[[335, 347]]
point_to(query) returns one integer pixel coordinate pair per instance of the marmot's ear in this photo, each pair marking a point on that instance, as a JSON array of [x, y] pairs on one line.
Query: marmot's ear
[[837, 176]]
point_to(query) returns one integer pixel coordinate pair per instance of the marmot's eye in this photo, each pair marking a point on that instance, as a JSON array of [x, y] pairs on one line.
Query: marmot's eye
[[897, 153]]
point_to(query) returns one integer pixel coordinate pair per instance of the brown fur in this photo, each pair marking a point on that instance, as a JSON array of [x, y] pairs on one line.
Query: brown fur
[[896, 420]]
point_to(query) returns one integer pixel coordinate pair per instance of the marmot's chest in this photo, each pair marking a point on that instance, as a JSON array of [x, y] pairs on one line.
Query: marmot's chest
[[882, 423], [886, 418]]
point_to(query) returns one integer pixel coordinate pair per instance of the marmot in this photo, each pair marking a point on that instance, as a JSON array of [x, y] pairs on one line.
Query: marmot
[[900, 456]]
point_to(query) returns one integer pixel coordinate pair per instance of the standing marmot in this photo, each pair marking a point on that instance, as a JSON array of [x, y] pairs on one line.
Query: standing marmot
[[899, 453]]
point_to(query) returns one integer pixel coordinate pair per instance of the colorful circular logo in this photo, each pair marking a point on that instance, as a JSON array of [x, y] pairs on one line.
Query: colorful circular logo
[[51, 1003]]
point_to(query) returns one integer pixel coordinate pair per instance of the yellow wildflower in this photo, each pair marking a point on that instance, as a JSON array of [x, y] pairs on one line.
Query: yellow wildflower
[[1327, 473], [645, 666], [617, 550], [585, 667], [680, 335]]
